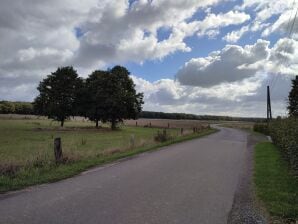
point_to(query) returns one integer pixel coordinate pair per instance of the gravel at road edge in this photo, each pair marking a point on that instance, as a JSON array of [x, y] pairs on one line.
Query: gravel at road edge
[[245, 209]]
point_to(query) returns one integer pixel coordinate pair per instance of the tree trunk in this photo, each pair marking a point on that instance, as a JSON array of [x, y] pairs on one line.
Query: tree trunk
[[113, 124], [96, 125], [62, 123]]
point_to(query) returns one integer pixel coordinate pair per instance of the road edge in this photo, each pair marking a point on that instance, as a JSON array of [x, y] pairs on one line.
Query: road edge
[[113, 160], [246, 207]]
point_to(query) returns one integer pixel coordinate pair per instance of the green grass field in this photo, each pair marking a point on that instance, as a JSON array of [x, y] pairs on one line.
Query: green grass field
[[27, 140], [276, 186], [27, 155]]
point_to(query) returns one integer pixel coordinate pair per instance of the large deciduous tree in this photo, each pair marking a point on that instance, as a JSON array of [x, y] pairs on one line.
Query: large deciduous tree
[[293, 98], [57, 94], [95, 96], [115, 96]]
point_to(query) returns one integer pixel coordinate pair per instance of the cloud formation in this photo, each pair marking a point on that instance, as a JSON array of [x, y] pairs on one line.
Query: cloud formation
[[241, 98], [39, 36], [235, 63]]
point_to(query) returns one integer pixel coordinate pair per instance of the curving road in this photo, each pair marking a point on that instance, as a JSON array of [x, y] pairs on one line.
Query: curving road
[[189, 182]]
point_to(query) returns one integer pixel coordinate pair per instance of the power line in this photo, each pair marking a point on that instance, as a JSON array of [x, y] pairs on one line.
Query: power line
[[288, 32], [274, 81], [270, 81]]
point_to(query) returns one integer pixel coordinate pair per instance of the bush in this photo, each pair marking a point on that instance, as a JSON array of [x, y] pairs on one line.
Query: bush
[[262, 128], [284, 133], [162, 136], [7, 107]]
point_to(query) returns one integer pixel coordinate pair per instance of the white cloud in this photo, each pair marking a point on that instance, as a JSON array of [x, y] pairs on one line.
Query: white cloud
[[263, 13], [234, 63], [265, 9], [39, 36], [282, 25], [234, 36], [242, 98], [223, 66], [214, 22]]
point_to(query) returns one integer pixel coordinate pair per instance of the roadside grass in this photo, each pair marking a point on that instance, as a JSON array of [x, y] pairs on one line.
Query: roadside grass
[[275, 185], [27, 146]]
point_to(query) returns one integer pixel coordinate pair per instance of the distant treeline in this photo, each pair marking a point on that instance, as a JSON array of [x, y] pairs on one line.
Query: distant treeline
[[8, 107], [183, 116]]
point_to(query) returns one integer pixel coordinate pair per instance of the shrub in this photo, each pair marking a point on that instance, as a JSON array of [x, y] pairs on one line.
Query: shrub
[[262, 128], [284, 133], [162, 136]]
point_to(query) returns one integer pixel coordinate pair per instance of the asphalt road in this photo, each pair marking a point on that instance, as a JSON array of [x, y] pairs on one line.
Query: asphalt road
[[189, 182]]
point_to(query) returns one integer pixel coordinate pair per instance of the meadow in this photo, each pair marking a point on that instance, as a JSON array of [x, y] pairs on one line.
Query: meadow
[[27, 155]]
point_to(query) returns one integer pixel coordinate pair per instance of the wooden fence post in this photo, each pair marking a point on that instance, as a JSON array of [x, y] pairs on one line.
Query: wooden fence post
[[168, 125], [136, 124], [181, 131], [58, 149], [132, 141]]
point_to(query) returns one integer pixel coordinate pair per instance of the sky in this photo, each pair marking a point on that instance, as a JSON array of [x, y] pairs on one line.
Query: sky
[[186, 56]]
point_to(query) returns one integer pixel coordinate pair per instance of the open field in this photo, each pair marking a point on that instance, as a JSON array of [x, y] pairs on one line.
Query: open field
[[276, 186], [238, 124], [164, 123], [27, 140], [27, 155]]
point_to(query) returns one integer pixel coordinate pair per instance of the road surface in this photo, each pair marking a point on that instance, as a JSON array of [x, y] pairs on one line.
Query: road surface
[[189, 182]]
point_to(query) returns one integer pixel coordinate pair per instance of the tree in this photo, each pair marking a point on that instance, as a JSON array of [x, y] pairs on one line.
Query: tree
[[7, 107], [293, 98], [95, 96], [116, 96], [57, 94]]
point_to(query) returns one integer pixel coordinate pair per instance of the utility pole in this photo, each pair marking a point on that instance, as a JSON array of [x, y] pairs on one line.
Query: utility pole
[[269, 113]]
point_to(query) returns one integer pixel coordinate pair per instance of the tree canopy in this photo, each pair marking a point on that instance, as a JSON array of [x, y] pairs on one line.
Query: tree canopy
[[57, 94], [120, 99], [107, 96], [293, 98], [94, 96]]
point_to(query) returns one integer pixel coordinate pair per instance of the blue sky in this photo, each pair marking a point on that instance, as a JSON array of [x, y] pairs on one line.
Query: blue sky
[[153, 70], [202, 57]]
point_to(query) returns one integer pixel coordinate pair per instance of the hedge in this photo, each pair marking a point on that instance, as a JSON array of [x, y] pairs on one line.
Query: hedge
[[284, 134]]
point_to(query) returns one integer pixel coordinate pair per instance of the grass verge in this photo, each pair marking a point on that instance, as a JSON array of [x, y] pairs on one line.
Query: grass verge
[[275, 185], [51, 173]]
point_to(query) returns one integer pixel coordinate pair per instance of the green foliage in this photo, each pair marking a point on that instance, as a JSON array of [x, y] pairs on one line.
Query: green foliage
[[95, 96], [115, 95], [109, 96], [262, 128], [293, 98], [284, 133], [182, 116], [162, 136], [7, 107], [57, 98], [275, 185]]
